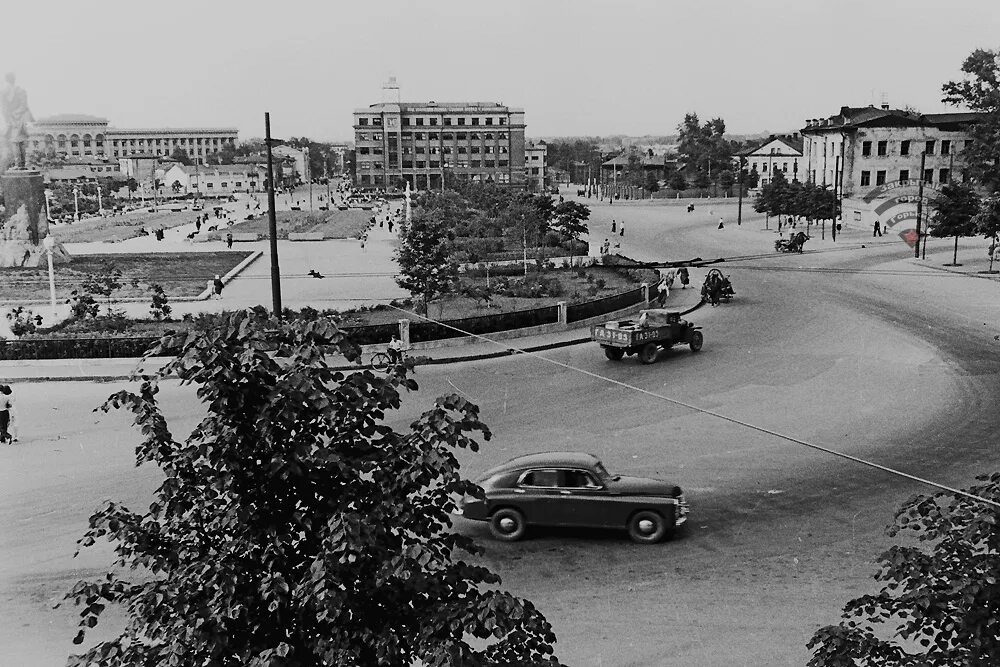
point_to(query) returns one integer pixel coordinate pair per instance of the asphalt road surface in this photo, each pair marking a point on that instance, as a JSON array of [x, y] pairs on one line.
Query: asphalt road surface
[[855, 349]]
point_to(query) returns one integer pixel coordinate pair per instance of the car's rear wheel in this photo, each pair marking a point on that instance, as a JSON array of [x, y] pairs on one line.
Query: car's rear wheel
[[647, 354], [697, 340], [614, 353], [507, 524], [647, 527]]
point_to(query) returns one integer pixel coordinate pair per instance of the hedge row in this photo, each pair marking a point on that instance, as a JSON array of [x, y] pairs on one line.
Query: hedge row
[[109, 347]]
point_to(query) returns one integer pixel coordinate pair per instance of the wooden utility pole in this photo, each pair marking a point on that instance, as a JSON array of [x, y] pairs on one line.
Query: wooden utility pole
[[272, 223], [920, 203]]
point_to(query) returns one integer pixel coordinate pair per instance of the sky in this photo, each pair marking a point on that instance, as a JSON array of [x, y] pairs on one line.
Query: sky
[[577, 67]]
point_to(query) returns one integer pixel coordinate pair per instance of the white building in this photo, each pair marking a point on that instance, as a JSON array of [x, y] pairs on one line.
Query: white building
[[534, 165], [777, 153]]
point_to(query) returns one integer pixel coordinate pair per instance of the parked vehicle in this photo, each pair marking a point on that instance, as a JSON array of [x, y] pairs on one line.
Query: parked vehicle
[[574, 489], [655, 329], [792, 244]]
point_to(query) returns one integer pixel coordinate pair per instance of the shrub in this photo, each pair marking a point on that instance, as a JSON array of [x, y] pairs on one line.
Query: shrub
[[600, 282], [23, 321], [82, 305], [159, 306]]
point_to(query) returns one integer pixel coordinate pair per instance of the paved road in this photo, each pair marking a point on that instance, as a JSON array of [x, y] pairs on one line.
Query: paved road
[[857, 349]]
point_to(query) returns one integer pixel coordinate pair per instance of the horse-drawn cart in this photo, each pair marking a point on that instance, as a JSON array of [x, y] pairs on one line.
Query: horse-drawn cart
[[655, 329]]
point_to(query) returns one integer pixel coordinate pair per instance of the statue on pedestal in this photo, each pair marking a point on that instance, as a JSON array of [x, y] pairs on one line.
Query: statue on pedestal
[[16, 115]]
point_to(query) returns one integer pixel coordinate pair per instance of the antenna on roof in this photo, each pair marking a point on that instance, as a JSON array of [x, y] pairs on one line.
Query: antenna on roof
[[390, 90]]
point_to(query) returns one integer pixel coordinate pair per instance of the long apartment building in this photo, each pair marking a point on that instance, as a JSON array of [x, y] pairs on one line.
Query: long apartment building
[[80, 135], [427, 143]]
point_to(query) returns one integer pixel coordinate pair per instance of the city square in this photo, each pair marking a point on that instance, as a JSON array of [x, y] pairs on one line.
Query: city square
[[853, 367]]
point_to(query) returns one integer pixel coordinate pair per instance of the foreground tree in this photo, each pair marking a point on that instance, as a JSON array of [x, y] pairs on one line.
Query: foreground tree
[[295, 528], [940, 602], [427, 267], [954, 210]]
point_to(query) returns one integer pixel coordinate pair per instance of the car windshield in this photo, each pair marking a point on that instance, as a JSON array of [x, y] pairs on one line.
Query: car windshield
[[602, 473]]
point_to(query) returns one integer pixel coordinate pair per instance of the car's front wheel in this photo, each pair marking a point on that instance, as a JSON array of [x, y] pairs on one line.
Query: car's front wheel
[[614, 353], [697, 340], [507, 524], [647, 527], [647, 354]]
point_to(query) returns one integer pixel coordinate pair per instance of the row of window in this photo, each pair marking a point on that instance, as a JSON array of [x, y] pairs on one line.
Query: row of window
[[379, 179], [434, 136], [431, 121], [436, 150], [882, 147], [436, 164], [774, 167], [944, 175]]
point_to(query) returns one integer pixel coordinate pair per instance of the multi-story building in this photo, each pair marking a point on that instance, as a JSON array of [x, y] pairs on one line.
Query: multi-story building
[[80, 135], [427, 143], [534, 165], [777, 153], [871, 156]]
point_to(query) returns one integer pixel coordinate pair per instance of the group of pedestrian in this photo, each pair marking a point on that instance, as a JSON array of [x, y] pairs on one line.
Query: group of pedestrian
[[667, 281], [8, 432]]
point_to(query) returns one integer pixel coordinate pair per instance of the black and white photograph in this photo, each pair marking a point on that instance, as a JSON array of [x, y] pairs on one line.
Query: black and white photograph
[[457, 333]]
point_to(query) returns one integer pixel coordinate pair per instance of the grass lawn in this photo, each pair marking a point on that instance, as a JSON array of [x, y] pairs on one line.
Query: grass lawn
[[180, 274], [333, 224], [119, 227]]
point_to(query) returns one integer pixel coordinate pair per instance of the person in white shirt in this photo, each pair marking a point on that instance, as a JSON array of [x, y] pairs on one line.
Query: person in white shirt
[[6, 414]]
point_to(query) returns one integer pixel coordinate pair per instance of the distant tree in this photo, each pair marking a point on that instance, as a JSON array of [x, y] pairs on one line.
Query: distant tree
[[181, 156], [652, 185], [677, 181], [987, 223], [726, 180], [979, 90], [751, 179], [954, 210], [294, 526], [937, 606], [702, 180], [571, 220], [427, 268]]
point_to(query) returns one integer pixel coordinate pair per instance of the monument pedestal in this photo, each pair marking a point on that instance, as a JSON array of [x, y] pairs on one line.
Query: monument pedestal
[[24, 223]]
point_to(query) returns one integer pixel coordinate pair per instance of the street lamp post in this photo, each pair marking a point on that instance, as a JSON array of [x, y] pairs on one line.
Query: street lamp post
[[48, 205], [76, 204], [272, 224], [100, 202], [49, 244]]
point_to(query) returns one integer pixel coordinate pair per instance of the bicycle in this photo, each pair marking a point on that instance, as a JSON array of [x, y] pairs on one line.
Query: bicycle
[[381, 361]]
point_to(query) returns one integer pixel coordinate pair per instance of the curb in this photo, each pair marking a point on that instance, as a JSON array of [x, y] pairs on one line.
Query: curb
[[419, 361]]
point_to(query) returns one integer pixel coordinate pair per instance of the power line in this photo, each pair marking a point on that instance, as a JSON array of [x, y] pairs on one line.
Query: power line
[[733, 420]]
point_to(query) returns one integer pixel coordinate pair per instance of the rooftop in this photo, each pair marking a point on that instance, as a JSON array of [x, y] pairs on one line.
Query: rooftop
[[172, 130], [851, 117], [63, 118], [793, 142], [450, 107], [554, 459]]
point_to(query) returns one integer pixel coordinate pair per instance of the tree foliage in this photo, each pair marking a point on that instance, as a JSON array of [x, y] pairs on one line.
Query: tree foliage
[[427, 268], [979, 90], [293, 527], [954, 210], [181, 156], [704, 146], [938, 606]]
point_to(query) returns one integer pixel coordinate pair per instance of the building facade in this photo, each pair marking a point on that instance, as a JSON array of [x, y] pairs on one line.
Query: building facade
[[80, 135], [534, 165], [428, 143], [871, 156], [782, 153]]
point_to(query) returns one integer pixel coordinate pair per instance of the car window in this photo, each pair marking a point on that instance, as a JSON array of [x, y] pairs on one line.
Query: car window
[[547, 478], [578, 479]]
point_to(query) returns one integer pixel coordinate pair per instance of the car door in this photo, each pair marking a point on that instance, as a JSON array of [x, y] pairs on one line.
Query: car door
[[536, 491], [581, 499]]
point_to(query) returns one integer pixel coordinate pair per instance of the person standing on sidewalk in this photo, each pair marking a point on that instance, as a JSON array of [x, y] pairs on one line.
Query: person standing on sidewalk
[[6, 410], [682, 273], [229, 240], [877, 229], [216, 285]]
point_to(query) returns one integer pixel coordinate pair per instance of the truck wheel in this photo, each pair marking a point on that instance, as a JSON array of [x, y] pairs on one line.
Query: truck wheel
[[646, 527], [647, 354], [697, 340], [614, 353], [507, 524]]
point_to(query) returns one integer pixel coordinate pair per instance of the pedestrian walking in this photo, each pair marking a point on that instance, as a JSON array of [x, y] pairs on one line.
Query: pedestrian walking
[[685, 279], [622, 232], [663, 291], [613, 228], [6, 409], [721, 225], [229, 240], [216, 285], [877, 229]]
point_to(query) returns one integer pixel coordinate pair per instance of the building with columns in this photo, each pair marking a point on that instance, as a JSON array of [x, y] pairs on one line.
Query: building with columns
[[81, 135], [427, 143]]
